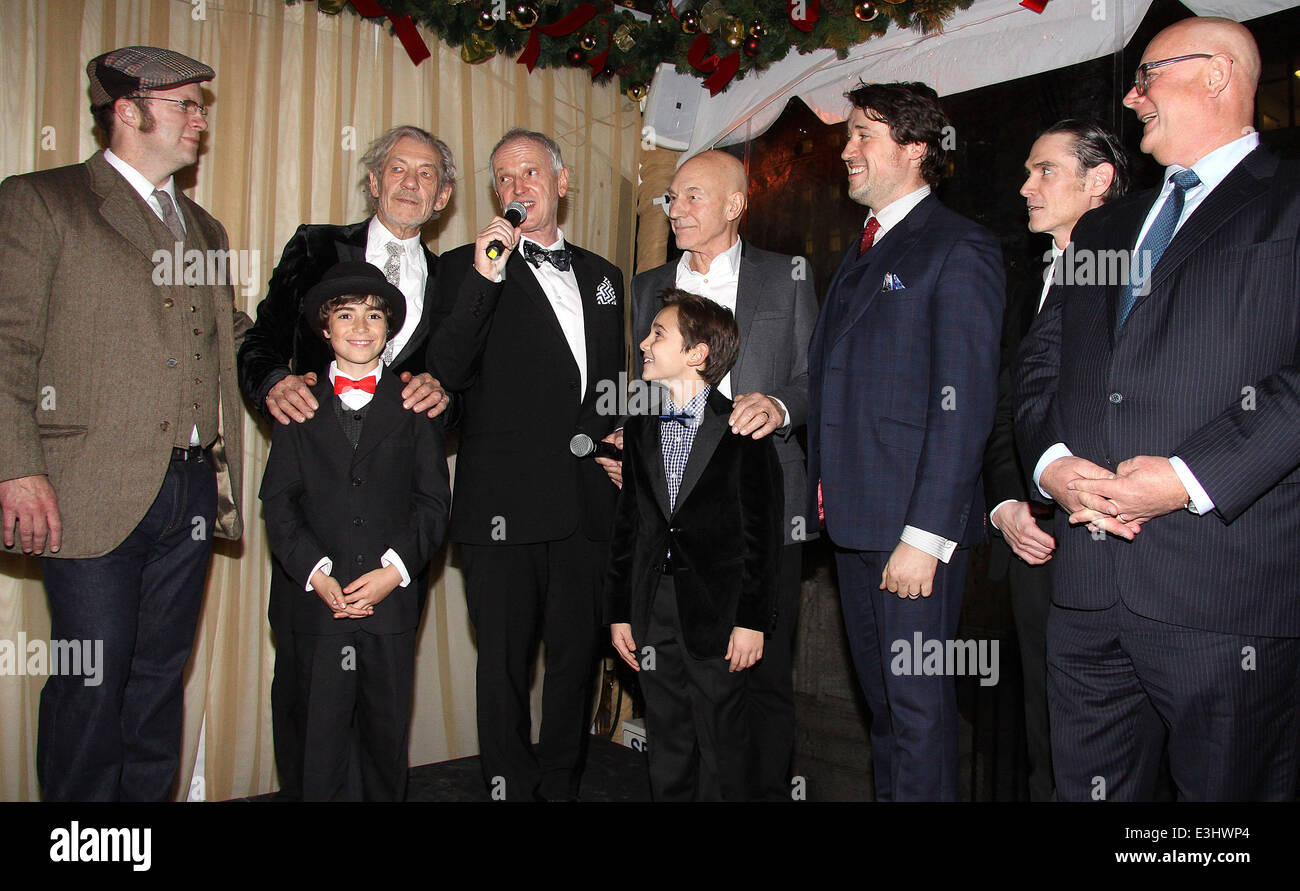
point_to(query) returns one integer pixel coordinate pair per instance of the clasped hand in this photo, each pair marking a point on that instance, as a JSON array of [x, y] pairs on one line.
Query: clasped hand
[[1142, 488]]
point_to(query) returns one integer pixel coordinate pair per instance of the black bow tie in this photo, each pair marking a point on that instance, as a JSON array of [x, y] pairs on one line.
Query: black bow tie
[[560, 258], [682, 419]]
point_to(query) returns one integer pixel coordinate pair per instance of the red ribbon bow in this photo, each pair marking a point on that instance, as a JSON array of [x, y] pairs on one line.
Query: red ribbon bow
[[403, 27], [343, 384]]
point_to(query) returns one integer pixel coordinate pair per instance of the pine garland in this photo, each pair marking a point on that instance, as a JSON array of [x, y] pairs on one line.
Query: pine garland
[[765, 31]]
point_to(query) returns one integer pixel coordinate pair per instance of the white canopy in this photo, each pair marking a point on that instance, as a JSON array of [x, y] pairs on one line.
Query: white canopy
[[991, 42]]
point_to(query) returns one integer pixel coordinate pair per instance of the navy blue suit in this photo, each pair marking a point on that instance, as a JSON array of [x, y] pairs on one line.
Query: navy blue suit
[[1200, 613], [903, 372]]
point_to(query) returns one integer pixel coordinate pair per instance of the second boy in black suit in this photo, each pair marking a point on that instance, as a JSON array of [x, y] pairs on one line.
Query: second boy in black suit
[[693, 561], [356, 502]]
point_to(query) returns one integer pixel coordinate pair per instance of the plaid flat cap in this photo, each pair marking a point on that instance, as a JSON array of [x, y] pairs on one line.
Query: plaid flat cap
[[129, 69]]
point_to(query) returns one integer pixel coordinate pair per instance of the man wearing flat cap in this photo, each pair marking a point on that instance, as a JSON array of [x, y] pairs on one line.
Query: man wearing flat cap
[[119, 420]]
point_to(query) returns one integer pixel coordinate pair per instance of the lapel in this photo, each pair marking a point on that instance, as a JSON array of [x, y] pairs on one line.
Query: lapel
[[584, 270], [883, 257], [712, 427], [384, 414], [1127, 224], [331, 429], [521, 274], [748, 284], [652, 448], [123, 208], [351, 242]]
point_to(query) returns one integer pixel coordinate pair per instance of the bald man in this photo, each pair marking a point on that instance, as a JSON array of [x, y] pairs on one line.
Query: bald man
[[1162, 413], [776, 308]]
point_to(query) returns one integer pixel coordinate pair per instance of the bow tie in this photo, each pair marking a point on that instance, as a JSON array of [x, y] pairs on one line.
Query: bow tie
[[342, 385], [681, 419], [561, 258]]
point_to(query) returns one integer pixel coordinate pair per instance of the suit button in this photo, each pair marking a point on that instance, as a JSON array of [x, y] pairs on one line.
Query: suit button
[[168, 303], [359, 560], [193, 308], [1116, 398], [172, 363], [357, 521], [197, 381], [197, 332], [198, 356], [165, 426], [196, 406], [356, 481]]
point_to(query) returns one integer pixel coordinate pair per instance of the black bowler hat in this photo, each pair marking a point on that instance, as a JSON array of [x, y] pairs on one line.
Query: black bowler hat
[[354, 278]]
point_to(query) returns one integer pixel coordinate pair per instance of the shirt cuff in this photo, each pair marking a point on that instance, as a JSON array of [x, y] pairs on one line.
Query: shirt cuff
[[992, 522], [390, 558], [935, 545], [1057, 451], [785, 412], [325, 565], [1200, 499]]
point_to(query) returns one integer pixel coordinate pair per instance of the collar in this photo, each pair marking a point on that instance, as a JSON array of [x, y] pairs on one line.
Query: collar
[[693, 407], [1215, 167], [892, 214], [377, 233], [559, 242], [377, 371], [724, 265], [140, 182]]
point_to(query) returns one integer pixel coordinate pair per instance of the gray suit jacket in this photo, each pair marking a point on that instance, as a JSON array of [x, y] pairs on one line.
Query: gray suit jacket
[[776, 310], [86, 394]]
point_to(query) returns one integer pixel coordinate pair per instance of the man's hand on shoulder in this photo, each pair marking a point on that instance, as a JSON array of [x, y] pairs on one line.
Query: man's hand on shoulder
[[1015, 520], [909, 572], [756, 415], [424, 393], [29, 503], [291, 399]]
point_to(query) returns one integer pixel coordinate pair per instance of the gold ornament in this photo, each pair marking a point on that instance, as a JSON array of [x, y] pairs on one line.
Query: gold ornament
[[486, 21], [756, 29], [733, 31], [625, 37], [331, 7], [637, 92], [587, 42], [865, 12], [711, 16], [523, 15], [690, 22], [477, 49]]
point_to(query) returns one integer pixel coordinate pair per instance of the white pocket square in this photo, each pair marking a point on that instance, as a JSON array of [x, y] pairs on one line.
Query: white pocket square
[[605, 295]]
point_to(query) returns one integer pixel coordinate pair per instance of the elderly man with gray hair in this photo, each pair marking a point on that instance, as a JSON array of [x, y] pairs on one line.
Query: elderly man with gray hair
[[409, 177]]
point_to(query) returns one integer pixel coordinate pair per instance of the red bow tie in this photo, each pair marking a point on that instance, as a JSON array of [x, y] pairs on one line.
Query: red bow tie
[[342, 385]]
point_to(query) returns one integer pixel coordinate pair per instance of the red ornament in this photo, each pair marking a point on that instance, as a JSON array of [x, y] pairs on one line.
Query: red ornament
[[577, 57], [751, 46]]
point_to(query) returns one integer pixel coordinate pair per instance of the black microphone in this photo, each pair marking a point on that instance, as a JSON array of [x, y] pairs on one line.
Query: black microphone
[[515, 214], [584, 446]]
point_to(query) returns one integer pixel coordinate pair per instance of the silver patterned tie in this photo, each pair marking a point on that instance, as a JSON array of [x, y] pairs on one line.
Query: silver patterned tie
[[393, 272], [170, 216]]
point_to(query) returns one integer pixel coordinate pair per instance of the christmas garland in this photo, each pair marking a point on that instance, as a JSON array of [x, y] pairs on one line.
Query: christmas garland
[[716, 40]]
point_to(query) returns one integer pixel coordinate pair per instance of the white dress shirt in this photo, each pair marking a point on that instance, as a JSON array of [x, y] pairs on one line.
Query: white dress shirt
[[1211, 170], [561, 288], [357, 399], [413, 275], [719, 283]]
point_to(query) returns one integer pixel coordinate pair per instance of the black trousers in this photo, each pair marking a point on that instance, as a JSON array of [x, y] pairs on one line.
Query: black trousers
[[696, 713], [1031, 598], [356, 693], [119, 739], [1122, 687], [511, 591], [771, 689]]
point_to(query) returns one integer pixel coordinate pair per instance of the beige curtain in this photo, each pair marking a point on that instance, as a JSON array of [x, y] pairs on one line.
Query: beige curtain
[[297, 97]]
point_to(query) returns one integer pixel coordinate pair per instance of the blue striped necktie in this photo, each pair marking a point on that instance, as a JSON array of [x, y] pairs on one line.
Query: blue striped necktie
[[1158, 238]]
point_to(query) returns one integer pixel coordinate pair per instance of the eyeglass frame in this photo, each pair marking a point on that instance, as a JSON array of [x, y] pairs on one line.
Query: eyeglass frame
[[185, 104], [1141, 80]]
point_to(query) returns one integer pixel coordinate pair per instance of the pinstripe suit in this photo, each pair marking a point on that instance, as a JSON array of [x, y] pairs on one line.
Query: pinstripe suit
[[1195, 622]]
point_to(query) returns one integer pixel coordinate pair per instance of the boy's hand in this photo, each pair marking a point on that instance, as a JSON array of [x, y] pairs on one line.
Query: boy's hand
[[291, 400], [745, 648], [372, 588], [620, 635], [328, 590]]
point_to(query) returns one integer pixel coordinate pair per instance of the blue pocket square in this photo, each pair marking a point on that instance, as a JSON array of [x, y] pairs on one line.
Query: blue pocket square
[[892, 283]]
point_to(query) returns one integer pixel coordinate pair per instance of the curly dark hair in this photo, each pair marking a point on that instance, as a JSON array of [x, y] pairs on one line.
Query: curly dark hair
[[913, 114]]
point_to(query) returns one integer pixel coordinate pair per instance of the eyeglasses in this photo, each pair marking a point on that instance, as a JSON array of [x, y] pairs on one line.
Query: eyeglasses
[[188, 106], [1142, 81]]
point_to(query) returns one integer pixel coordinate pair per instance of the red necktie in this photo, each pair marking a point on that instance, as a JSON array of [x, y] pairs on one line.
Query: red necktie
[[342, 384], [821, 506], [868, 236]]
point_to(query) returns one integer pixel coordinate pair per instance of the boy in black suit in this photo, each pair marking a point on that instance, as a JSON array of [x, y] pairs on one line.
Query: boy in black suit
[[356, 502], [693, 560]]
